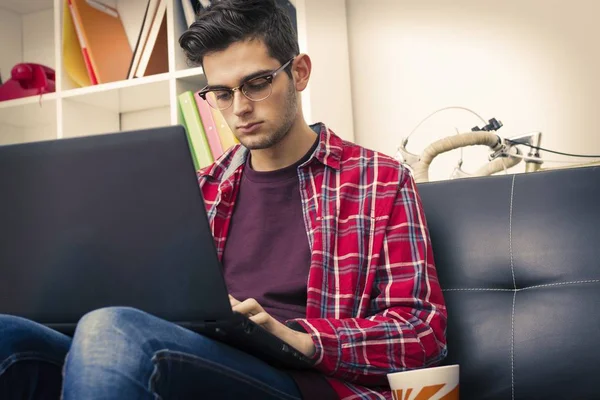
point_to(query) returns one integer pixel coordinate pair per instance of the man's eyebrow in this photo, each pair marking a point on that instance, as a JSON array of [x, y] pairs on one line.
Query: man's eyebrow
[[246, 78]]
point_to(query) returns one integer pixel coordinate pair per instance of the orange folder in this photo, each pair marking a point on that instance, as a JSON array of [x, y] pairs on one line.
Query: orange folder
[[77, 66], [106, 41]]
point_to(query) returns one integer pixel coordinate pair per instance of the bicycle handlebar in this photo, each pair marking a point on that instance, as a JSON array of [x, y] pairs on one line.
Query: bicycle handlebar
[[421, 168]]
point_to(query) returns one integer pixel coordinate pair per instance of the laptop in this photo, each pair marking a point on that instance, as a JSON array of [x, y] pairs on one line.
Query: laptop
[[117, 220]]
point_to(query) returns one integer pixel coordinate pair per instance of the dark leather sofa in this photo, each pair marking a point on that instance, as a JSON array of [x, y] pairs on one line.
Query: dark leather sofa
[[518, 258]]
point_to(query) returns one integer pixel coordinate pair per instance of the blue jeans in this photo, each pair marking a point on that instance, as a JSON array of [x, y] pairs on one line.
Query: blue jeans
[[123, 353]]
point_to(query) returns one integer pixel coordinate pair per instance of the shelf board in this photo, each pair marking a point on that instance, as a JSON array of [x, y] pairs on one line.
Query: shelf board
[[27, 100], [126, 98], [104, 87], [29, 114], [190, 72]]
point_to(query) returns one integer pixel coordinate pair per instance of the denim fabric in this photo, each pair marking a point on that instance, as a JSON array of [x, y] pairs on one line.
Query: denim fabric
[[123, 353], [31, 359]]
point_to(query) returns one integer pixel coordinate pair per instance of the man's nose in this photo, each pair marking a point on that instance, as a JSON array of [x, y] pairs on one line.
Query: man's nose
[[241, 104]]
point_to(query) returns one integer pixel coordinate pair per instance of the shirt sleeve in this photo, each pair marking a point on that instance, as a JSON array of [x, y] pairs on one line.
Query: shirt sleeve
[[406, 324]]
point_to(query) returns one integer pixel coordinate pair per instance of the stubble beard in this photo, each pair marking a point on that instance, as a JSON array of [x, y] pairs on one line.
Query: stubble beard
[[269, 140]]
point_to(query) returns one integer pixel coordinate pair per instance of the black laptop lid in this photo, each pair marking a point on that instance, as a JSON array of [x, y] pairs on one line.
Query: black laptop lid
[[106, 220]]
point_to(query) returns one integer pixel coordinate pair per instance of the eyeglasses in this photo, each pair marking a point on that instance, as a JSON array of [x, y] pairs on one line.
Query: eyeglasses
[[255, 89]]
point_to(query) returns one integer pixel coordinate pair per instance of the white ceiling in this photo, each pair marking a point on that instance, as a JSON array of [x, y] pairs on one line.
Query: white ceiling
[[26, 6]]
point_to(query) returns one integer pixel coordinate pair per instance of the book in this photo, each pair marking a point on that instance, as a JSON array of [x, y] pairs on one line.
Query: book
[[158, 62], [192, 152], [74, 49], [103, 37], [188, 12], [191, 8], [210, 129], [195, 130], [76, 64], [141, 39], [149, 15], [226, 136], [152, 43], [200, 4]]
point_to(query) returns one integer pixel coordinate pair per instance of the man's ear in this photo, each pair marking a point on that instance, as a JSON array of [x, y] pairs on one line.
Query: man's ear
[[301, 68]]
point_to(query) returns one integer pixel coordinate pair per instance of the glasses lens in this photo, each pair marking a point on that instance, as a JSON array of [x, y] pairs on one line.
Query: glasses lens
[[257, 89], [219, 99]]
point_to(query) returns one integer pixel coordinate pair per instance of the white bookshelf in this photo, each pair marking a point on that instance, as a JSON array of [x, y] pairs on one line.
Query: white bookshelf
[[31, 31], [35, 31]]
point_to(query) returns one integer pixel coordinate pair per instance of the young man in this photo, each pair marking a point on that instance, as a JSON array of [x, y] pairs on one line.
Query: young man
[[323, 243]]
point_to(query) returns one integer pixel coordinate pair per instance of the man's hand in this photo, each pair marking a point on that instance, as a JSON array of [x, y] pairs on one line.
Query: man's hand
[[254, 311]]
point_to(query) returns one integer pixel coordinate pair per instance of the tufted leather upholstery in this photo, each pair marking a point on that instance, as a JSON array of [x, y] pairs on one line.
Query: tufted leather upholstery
[[518, 257]]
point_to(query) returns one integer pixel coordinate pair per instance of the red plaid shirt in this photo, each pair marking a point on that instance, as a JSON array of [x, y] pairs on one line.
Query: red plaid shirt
[[374, 302]]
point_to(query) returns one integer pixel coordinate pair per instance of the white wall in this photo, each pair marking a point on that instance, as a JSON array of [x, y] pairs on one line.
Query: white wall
[[533, 64], [11, 42], [323, 35], [38, 43]]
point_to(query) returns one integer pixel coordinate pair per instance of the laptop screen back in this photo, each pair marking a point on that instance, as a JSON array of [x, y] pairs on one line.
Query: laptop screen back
[[106, 220]]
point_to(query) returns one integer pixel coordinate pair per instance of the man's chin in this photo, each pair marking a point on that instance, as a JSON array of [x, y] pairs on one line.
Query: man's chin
[[256, 146], [255, 143]]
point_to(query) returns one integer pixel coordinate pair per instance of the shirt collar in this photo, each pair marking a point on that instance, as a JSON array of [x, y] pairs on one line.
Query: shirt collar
[[328, 152]]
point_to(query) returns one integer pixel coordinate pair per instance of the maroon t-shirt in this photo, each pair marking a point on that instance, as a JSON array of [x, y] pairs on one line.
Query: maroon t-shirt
[[267, 255]]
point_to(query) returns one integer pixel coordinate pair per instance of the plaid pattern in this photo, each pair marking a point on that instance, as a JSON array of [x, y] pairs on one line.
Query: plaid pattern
[[374, 302]]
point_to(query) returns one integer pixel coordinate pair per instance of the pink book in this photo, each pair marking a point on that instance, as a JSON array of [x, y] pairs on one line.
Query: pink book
[[210, 128]]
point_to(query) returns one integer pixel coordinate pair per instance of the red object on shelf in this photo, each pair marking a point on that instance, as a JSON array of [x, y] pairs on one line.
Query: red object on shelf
[[28, 79]]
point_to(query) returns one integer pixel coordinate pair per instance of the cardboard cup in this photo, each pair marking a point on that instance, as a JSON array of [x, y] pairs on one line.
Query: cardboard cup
[[435, 383]]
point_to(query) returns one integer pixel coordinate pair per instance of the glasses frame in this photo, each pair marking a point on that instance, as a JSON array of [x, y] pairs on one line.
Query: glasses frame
[[269, 77]]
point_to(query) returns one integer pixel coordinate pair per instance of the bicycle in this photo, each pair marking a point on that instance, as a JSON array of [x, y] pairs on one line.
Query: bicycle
[[505, 152]]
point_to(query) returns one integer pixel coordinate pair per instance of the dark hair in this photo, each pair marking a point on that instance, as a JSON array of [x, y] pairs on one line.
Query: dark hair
[[229, 21]]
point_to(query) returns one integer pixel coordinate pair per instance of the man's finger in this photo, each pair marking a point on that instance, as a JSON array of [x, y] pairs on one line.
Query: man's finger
[[260, 318], [248, 307], [233, 301]]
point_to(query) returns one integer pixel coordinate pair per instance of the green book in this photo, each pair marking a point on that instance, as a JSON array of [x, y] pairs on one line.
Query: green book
[[190, 116], [192, 152]]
